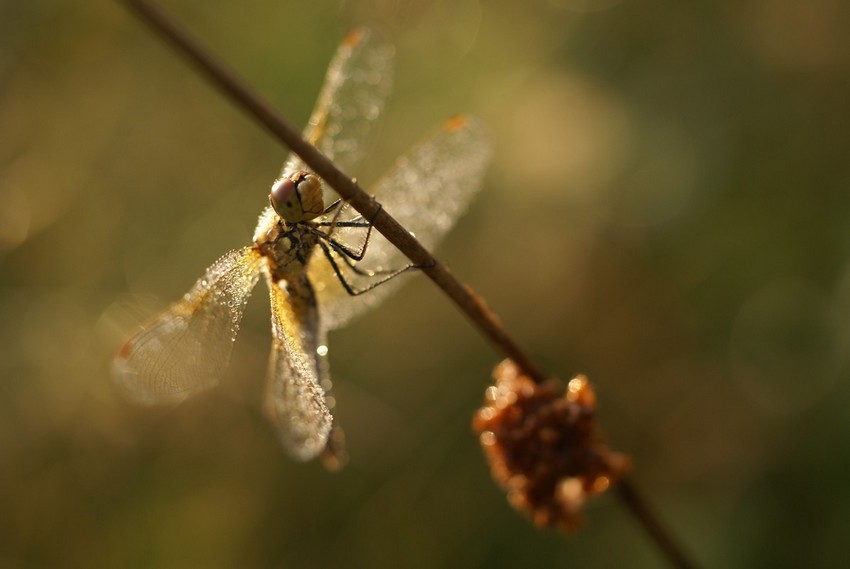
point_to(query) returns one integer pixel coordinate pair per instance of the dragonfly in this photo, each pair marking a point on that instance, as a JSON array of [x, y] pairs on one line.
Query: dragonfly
[[322, 263]]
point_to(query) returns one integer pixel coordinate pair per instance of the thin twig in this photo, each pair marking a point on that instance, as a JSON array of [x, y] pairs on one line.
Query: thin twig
[[221, 76], [650, 522]]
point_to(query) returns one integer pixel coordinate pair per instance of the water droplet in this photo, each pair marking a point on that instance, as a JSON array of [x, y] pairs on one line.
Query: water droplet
[[322, 350]]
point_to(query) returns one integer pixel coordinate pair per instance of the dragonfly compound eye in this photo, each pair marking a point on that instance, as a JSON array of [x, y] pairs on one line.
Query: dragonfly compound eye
[[297, 197], [284, 200], [310, 192]]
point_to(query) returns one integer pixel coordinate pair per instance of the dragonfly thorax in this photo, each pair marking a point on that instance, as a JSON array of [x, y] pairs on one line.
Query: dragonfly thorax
[[297, 196], [286, 247]]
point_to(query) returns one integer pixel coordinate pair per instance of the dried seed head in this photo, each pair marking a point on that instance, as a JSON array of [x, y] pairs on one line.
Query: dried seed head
[[543, 447]]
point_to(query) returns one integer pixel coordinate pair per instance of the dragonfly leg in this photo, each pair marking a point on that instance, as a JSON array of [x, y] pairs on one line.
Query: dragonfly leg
[[351, 263], [344, 249], [326, 249], [332, 207]]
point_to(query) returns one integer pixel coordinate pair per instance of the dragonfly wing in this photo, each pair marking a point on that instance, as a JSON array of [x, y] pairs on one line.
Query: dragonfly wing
[[295, 400], [186, 348], [357, 84], [426, 191]]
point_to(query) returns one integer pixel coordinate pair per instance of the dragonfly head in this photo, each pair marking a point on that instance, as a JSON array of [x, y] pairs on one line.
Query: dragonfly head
[[297, 196]]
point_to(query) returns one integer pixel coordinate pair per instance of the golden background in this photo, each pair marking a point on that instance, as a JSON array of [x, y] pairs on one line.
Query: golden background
[[668, 211]]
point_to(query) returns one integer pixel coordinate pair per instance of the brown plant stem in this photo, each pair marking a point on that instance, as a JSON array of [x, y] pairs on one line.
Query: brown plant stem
[[636, 504], [226, 80]]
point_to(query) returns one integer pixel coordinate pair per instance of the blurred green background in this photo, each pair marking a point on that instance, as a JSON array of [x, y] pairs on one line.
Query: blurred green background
[[668, 211]]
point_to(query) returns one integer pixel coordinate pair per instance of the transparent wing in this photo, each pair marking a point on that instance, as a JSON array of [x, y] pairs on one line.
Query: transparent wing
[[186, 348], [357, 84], [295, 401], [426, 191]]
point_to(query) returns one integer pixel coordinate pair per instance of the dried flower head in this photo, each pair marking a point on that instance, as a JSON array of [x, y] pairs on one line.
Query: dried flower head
[[543, 446]]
